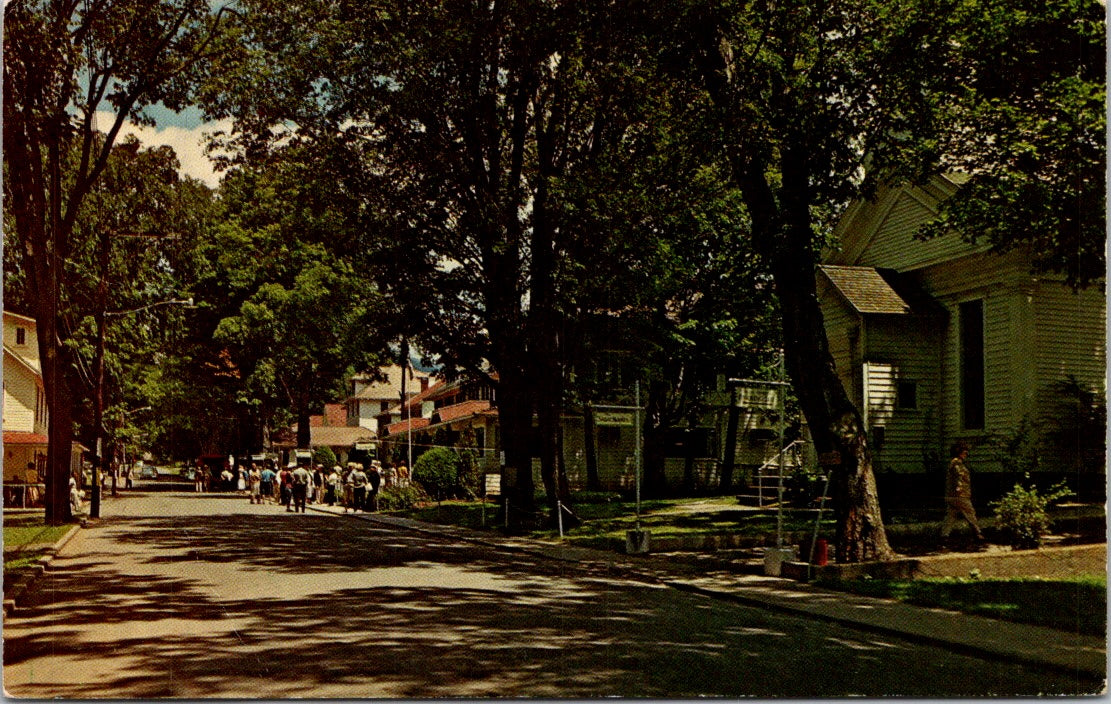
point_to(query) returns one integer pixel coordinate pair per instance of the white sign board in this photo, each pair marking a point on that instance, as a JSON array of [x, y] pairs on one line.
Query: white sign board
[[493, 485], [613, 419], [758, 398]]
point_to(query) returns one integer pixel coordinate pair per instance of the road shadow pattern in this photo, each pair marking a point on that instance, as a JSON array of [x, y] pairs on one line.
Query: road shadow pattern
[[524, 627]]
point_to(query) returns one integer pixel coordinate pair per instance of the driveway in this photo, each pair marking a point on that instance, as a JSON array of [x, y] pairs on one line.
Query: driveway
[[187, 595]]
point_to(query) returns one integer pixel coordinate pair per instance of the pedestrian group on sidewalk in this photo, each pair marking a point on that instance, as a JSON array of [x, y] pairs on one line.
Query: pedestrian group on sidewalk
[[295, 486]]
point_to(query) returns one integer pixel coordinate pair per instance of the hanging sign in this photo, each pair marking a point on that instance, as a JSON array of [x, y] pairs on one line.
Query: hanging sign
[[613, 419], [749, 397], [493, 485]]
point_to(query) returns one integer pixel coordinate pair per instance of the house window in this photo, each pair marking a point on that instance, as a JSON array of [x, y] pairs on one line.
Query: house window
[[907, 395], [21, 336], [972, 364], [480, 441]]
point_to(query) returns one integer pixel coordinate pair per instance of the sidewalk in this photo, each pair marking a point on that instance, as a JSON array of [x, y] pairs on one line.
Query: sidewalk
[[1013, 642]]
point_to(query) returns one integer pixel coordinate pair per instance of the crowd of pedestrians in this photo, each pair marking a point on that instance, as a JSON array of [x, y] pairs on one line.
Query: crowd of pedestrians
[[354, 488]]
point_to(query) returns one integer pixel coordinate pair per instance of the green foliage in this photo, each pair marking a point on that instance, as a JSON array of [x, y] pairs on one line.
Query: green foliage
[[1022, 515], [595, 497], [324, 456], [1026, 121], [1019, 450], [400, 498], [437, 471], [470, 475], [1077, 426]]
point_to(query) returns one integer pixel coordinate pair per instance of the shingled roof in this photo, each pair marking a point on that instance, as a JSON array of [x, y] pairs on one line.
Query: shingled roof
[[865, 289], [880, 291]]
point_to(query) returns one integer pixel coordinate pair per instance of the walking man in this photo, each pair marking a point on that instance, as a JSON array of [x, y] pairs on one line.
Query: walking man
[[359, 484], [958, 492], [301, 482], [266, 486]]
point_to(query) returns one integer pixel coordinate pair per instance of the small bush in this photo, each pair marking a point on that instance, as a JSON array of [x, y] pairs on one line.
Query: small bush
[[324, 456], [437, 471], [470, 474], [1022, 515], [400, 498]]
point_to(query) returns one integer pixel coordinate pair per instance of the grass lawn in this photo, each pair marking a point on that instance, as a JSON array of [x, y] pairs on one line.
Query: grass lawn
[[22, 531], [1077, 604], [606, 518]]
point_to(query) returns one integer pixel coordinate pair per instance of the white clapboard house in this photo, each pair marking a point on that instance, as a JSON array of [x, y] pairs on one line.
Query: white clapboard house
[[942, 340]]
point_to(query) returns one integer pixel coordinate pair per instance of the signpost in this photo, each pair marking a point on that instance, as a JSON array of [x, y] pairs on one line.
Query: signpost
[[636, 541], [758, 393]]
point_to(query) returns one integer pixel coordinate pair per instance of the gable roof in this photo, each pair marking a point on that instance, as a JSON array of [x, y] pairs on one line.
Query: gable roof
[[390, 388], [406, 425], [883, 231], [461, 410], [339, 436], [29, 365]]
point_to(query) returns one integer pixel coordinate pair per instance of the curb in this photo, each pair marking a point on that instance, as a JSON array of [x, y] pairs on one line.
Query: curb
[[1086, 659], [25, 583]]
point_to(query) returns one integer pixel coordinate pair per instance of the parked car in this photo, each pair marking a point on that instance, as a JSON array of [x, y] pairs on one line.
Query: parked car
[[148, 472]]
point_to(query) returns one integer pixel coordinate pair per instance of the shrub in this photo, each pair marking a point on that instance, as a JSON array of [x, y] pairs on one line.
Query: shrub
[[1022, 515], [399, 498], [437, 471], [470, 475], [324, 456]]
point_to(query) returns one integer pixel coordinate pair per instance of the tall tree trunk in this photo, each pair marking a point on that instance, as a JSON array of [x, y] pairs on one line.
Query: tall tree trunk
[[304, 434], [783, 234], [60, 426], [655, 428], [515, 422], [835, 424]]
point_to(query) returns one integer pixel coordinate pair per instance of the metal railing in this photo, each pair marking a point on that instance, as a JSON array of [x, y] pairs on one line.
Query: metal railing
[[777, 459], [9, 488]]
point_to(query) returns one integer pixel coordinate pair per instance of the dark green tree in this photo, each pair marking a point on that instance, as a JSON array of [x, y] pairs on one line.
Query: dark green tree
[[284, 311], [455, 125], [65, 61], [817, 103]]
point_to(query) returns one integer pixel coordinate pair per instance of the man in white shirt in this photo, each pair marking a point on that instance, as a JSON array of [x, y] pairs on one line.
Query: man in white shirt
[[359, 481], [302, 480]]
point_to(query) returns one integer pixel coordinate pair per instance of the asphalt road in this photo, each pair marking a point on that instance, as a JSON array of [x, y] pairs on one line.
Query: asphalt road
[[185, 595]]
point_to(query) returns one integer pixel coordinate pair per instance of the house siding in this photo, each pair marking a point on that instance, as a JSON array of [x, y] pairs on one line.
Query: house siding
[[19, 401], [1001, 282], [883, 235], [1070, 339], [1036, 332], [902, 349], [29, 350]]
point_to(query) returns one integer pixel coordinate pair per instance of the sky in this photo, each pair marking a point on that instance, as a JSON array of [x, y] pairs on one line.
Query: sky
[[183, 131]]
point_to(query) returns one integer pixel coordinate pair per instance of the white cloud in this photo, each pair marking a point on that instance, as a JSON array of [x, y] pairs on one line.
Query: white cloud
[[187, 143]]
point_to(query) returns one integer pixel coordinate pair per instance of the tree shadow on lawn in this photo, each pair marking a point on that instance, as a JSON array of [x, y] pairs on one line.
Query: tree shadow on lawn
[[512, 625]]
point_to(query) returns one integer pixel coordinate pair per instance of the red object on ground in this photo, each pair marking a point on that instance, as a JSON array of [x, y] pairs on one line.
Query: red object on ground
[[821, 552]]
